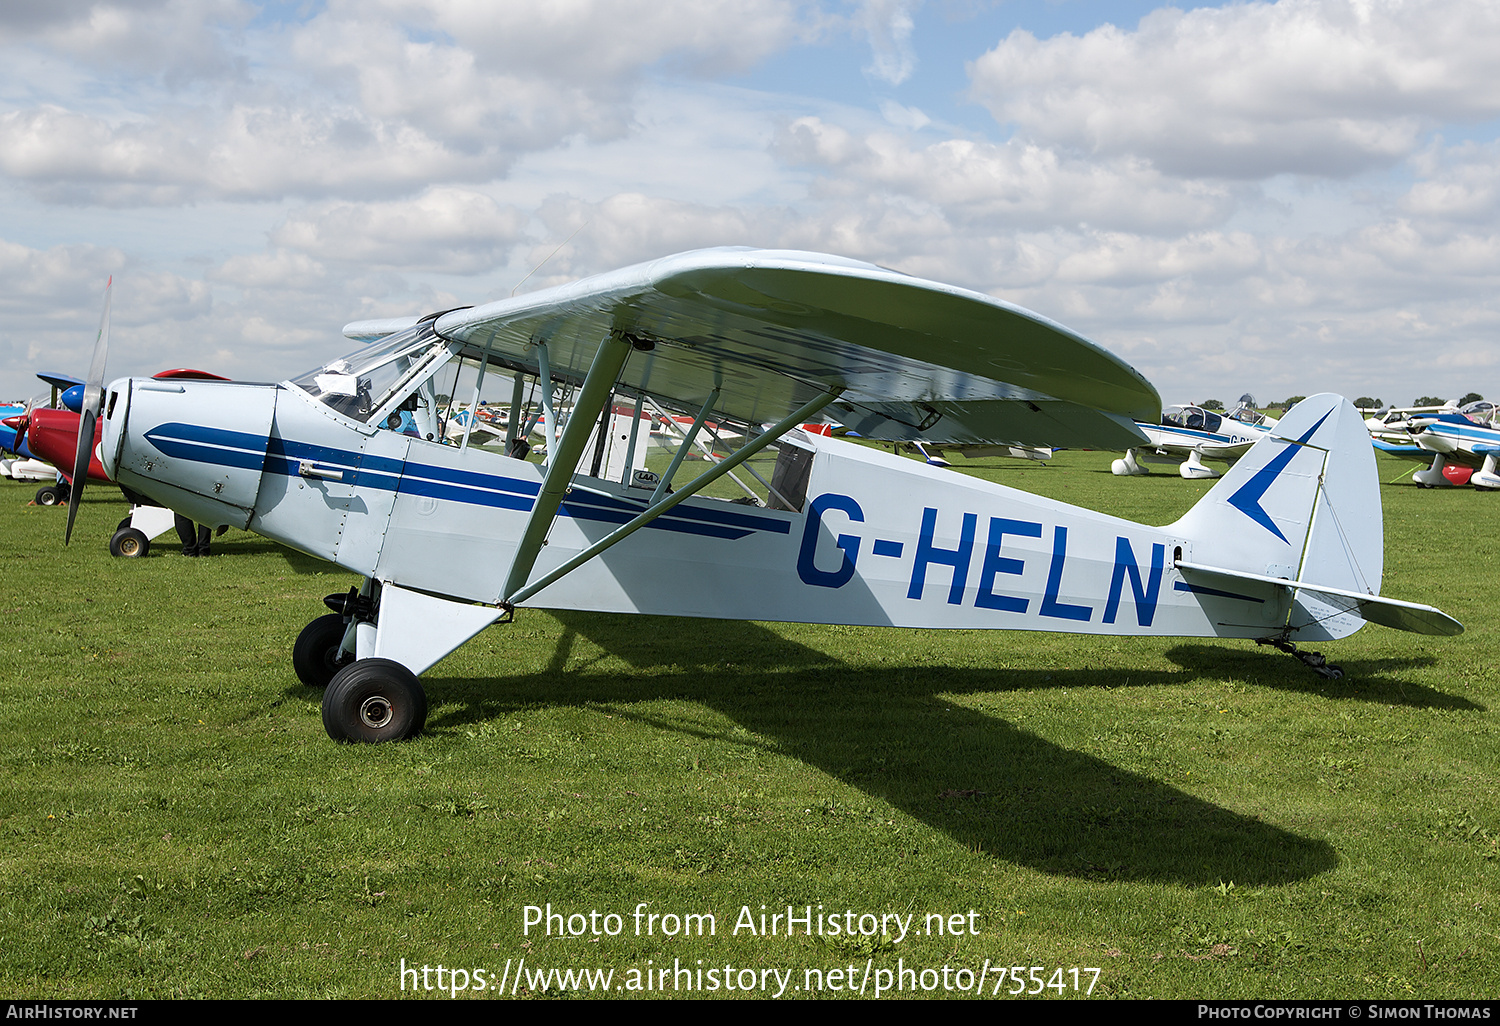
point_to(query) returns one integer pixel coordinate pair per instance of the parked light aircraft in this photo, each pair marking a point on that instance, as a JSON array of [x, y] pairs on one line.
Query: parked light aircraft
[[52, 434], [8, 431], [1192, 434], [27, 467], [23, 465], [450, 539], [1458, 443], [1453, 437]]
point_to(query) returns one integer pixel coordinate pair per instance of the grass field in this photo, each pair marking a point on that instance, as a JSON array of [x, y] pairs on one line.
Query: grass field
[[1192, 819]]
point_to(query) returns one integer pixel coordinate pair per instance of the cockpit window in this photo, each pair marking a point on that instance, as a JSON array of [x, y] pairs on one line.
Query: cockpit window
[[357, 384], [1480, 411], [1190, 417]]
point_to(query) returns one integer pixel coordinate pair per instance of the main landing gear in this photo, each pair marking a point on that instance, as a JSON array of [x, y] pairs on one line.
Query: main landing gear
[[53, 494], [365, 700], [367, 655], [374, 700], [319, 652]]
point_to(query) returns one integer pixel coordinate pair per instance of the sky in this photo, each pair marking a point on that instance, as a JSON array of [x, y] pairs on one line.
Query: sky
[[1276, 198]]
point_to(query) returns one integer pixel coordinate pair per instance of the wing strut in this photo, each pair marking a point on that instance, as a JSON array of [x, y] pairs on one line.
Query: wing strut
[[656, 509], [682, 450], [549, 417], [473, 403], [516, 413], [563, 461]]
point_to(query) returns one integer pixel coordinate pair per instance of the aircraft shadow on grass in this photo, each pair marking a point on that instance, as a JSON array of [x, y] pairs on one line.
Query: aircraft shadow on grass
[[985, 782], [1370, 680]]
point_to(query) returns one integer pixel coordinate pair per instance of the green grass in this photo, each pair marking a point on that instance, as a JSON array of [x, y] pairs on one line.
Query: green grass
[[1195, 819]]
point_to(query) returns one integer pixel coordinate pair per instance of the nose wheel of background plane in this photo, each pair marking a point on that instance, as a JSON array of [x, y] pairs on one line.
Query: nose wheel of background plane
[[52, 494], [374, 700]]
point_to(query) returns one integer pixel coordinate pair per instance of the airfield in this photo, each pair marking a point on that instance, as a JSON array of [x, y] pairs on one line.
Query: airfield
[[1193, 819]]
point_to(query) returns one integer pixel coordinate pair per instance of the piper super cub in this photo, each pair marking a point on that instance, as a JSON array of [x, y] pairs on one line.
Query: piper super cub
[[450, 539]]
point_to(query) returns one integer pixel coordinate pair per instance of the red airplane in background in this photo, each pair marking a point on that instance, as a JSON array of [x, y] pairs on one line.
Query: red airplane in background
[[52, 435]]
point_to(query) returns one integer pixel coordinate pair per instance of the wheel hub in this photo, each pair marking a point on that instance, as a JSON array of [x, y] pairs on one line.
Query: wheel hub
[[375, 712]]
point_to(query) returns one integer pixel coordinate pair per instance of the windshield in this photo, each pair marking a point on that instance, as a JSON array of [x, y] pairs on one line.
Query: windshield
[[356, 384]]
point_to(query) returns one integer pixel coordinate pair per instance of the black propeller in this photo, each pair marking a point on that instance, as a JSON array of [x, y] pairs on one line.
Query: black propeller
[[93, 402]]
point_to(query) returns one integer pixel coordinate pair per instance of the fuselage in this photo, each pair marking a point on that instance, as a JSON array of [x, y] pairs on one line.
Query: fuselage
[[1456, 435], [1191, 429], [877, 539]]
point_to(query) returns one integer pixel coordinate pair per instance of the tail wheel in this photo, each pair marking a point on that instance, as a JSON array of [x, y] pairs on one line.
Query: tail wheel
[[316, 656], [374, 700]]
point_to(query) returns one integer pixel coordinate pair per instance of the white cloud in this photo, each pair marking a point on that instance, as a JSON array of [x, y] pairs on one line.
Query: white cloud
[[1015, 184], [900, 116], [1325, 87], [177, 42], [53, 298], [449, 230], [43, 283], [888, 25], [247, 152], [278, 269], [364, 100], [396, 156], [1121, 259], [1459, 185], [631, 227], [598, 42]]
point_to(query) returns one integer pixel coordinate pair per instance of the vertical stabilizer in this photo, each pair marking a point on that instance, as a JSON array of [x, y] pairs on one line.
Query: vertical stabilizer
[[1303, 505]]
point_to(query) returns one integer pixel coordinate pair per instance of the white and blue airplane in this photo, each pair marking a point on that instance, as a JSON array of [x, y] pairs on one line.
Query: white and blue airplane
[[1192, 434], [1454, 438], [451, 539]]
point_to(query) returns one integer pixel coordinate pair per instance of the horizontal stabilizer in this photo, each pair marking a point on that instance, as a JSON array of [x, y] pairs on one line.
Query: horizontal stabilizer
[[1403, 616]]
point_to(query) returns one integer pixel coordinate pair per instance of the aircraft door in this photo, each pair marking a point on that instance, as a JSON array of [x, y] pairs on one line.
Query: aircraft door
[[376, 482], [328, 483]]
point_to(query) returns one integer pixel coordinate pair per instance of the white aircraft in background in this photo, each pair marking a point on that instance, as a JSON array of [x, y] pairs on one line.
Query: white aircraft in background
[[1455, 438], [1192, 434], [449, 539], [1459, 443]]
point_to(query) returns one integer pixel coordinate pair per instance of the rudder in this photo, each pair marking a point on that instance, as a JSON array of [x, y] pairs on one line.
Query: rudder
[[1303, 504]]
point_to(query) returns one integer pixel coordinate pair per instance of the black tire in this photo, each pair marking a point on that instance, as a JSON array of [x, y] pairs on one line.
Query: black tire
[[316, 656], [374, 700], [50, 495], [129, 543], [123, 524]]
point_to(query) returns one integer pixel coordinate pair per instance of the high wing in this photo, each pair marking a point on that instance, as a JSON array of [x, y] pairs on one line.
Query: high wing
[[772, 330]]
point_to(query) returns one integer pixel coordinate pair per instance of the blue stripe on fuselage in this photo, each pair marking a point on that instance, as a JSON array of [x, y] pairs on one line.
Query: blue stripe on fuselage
[[283, 456], [209, 445]]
